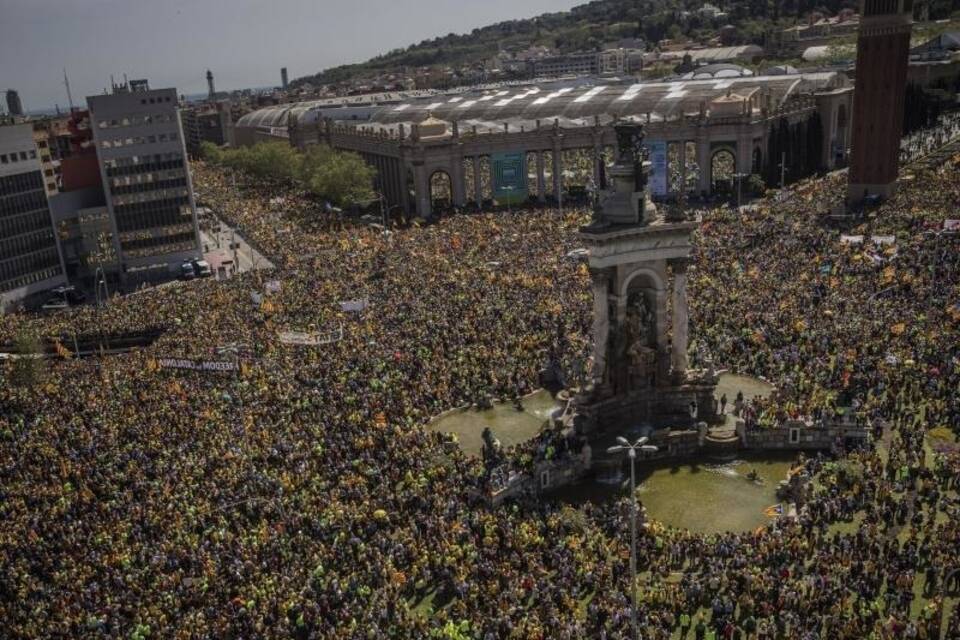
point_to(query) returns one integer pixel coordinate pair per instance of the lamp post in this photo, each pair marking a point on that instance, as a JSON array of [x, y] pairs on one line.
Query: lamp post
[[631, 449]]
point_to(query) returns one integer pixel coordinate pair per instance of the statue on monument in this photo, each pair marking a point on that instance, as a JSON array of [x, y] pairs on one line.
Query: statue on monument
[[632, 152], [632, 360], [625, 200]]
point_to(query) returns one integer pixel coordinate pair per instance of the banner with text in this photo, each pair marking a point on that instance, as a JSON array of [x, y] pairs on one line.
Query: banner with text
[[195, 365], [509, 171]]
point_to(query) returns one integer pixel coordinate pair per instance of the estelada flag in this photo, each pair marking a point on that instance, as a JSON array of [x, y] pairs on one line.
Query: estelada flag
[[62, 351], [773, 511]]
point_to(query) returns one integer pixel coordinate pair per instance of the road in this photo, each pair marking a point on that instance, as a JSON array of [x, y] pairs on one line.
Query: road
[[217, 251]]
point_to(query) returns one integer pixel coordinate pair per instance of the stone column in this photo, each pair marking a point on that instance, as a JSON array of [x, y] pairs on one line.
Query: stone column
[[404, 169], [557, 171], [477, 182], [422, 188], [597, 160], [458, 180], [703, 159], [680, 317], [744, 153], [601, 325], [541, 178], [683, 171]]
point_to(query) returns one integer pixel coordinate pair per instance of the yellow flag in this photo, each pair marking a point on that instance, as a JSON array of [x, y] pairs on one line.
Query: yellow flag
[[898, 328]]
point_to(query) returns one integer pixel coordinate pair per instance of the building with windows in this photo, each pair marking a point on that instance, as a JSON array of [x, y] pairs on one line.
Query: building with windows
[[14, 106], [205, 122], [146, 181], [443, 149], [30, 259], [573, 64]]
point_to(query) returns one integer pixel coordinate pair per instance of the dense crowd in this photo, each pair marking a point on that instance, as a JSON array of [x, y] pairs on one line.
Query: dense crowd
[[303, 498]]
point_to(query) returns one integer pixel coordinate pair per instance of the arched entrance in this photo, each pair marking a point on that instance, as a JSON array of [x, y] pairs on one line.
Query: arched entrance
[[723, 167], [441, 190]]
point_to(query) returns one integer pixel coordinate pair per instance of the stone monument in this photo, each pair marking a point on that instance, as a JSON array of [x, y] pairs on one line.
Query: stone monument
[[637, 258]]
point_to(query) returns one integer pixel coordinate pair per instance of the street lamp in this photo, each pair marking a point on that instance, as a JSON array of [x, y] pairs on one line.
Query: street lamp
[[631, 449]]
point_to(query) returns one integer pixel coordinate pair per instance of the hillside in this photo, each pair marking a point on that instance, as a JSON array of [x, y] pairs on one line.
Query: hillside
[[588, 27]]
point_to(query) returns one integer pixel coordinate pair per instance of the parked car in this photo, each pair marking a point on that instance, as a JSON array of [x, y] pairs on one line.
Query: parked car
[[187, 272], [70, 294], [202, 269]]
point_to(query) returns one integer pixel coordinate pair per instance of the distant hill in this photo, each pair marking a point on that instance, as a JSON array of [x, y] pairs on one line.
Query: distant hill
[[590, 26]]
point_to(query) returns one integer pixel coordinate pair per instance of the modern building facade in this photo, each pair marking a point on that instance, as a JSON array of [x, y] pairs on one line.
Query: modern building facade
[[14, 105], [883, 49], [30, 259], [284, 80], [146, 181]]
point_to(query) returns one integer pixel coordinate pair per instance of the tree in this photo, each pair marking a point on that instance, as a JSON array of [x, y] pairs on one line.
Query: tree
[[341, 177], [211, 152]]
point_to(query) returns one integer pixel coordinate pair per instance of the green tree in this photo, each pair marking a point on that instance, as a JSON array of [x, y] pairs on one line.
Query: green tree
[[211, 152], [341, 177]]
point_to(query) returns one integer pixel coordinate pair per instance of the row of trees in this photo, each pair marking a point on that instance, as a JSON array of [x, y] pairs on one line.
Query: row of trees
[[340, 177], [799, 144]]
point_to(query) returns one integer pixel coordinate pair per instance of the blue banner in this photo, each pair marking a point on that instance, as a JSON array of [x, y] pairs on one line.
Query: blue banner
[[658, 166], [509, 173]]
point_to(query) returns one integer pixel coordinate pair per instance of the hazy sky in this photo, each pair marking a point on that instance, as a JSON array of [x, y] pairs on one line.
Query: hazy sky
[[244, 42]]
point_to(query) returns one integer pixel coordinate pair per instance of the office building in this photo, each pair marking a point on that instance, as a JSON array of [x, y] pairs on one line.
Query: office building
[[146, 181], [30, 260], [284, 80], [14, 106]]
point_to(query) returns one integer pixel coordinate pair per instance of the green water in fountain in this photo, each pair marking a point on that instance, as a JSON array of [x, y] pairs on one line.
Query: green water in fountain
[[509, 426], [702, 497], [708, 498]]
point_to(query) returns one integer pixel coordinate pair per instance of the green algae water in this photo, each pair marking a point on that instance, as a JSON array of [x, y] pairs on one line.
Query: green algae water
[[509, 426], [699, 496], [708, 498]]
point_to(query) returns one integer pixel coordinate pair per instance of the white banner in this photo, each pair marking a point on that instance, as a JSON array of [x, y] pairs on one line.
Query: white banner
[[951, 225], [851, 239], [195, 365], [355, 306], [884, 239], [311, 338]]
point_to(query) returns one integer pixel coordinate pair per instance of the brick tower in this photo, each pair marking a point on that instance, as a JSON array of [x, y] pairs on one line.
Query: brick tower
[[883, 48]]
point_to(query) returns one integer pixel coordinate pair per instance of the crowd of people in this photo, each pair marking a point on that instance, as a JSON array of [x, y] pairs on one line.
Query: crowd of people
[[302, 497]]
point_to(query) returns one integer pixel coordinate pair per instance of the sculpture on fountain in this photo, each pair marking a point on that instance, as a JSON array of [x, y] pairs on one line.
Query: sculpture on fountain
[[637, 258]]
